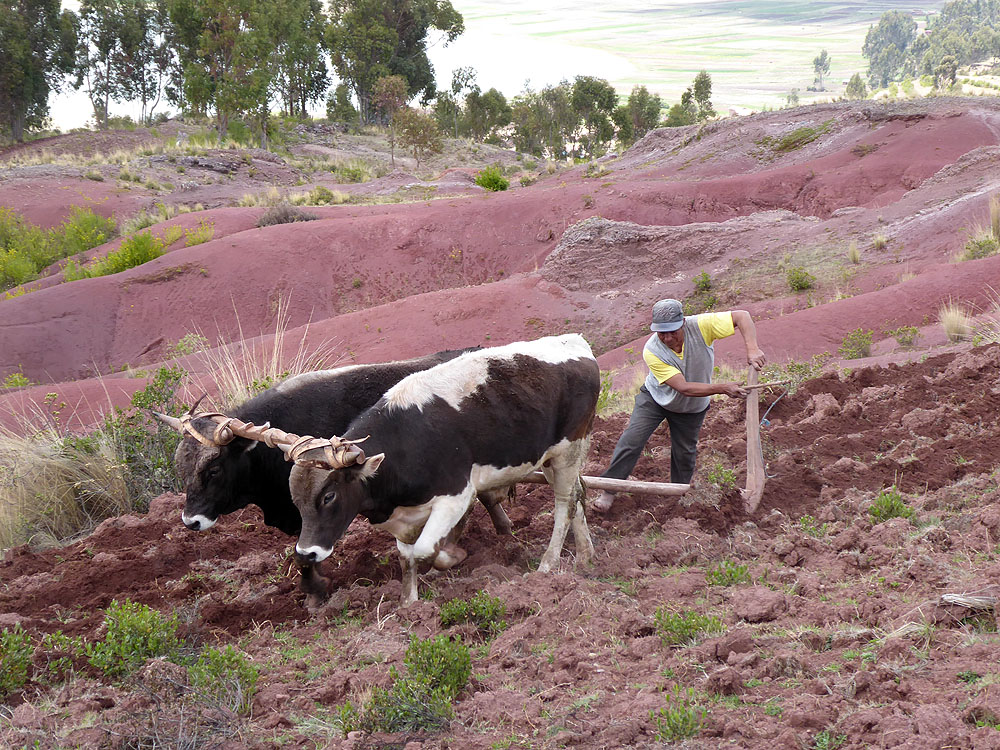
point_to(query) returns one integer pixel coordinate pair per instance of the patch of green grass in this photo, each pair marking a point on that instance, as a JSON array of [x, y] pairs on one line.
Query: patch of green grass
[[134, 251], [486, 612], [808, 525], [681, 718], [969, 677], [889, 504], [681, 628], [722, 476], [728, 573], [906, 336], [826, 740], [226, 677]]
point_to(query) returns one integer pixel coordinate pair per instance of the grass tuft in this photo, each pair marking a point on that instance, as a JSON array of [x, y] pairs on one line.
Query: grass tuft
[[956, 321]]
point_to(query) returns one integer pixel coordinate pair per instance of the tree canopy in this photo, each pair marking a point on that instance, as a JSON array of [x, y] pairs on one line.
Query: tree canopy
[[37, 47]]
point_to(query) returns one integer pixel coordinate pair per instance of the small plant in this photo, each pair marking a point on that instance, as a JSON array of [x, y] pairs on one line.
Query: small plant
[[189, 343], [880, 242], [15, 380], [856, 344], [722, 477], [226, 677], [728, 573], [492, 179], [284, 213], [703, 282], [202, 233], [826, 740], [799, 279], [906, 336], [969, 677], [134, 633], [681, 628], [486, 612], [93, 174], [682, 717], [808, 525], [889, 504], [588, 201], [15, 659], [981, 245]]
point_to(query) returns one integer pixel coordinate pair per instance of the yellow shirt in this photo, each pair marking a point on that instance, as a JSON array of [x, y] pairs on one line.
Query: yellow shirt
[[712, 325]]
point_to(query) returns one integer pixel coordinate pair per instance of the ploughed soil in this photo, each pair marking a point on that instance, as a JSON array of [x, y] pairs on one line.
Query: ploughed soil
[[829, 621], [831, 628]]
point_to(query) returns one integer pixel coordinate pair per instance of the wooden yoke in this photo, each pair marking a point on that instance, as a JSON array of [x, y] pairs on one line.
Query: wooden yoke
[[755, 460]]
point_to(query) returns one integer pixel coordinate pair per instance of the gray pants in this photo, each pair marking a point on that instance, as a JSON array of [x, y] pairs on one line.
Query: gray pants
[[646, 417]]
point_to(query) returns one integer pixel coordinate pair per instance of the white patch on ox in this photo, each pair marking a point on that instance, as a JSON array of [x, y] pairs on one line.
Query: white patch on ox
[[455, 380], [314, 553], [198, 521], [422, 527]]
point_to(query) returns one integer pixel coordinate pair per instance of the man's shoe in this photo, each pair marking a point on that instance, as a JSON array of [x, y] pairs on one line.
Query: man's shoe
[[603, 502]]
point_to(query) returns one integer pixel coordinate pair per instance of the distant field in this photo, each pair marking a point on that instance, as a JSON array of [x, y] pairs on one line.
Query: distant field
[[756, 50]]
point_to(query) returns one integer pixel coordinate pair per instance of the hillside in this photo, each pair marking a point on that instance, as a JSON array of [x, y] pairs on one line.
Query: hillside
[[830, 629]]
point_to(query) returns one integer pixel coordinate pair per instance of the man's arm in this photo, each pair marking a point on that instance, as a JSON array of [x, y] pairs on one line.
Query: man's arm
[[682, 386], [745, 325]]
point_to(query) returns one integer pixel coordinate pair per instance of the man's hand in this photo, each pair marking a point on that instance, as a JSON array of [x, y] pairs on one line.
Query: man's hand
[[756, 358], [733, 390]]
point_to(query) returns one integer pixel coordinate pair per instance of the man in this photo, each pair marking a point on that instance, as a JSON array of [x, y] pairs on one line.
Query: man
[[681, 357]]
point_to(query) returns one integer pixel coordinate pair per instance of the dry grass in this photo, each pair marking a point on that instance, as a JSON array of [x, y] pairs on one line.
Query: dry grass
[[271, 197], [242, 369], [989, 327], [52, 489], [853, 254], [956, 320], [612, 401]]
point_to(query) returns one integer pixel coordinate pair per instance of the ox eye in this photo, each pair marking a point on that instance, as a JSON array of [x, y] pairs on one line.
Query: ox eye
[[213, 471], [329, 497]]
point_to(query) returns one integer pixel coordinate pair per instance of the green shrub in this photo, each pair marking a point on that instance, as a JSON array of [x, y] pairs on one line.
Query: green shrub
[[703, 282], [144, 444], [682, 717], [133, 634], [856, 344], [492, 179], [681, 628], [486, 612], [889, 504], [808, 525], [82, 231], [284, 213], [728, 573], [202, 233], [826, 740], [408, 706], [15, 380], [60, 652], [905, 335], [15, 659], [983, 245], [134, 251], [442, 663], [226, 677], [799, 279]]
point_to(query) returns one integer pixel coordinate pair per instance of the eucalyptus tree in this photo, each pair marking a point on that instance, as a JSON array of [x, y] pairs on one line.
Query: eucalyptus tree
[[372, 39], [37, 49], [99, 54]]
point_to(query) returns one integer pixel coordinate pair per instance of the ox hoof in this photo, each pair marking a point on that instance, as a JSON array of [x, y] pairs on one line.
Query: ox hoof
[[449, 556], [314, 602]]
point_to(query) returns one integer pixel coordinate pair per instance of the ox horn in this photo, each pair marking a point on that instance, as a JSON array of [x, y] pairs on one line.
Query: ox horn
[[304, 450], [172, 422]]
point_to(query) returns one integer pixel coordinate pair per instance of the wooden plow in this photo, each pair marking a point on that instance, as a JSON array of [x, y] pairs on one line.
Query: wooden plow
[[756, 476]]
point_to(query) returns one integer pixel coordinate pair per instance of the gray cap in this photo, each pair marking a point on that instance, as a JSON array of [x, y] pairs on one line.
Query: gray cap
[[668, 315]]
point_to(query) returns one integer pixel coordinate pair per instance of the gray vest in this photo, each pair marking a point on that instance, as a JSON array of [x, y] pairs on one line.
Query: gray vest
[[696, 366]]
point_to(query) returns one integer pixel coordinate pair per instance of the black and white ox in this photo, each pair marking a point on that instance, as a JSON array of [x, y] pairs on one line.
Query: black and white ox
[[222, 472], [481, 421]]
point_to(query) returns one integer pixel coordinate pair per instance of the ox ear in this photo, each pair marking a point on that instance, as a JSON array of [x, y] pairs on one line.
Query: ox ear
[[371, 464]]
